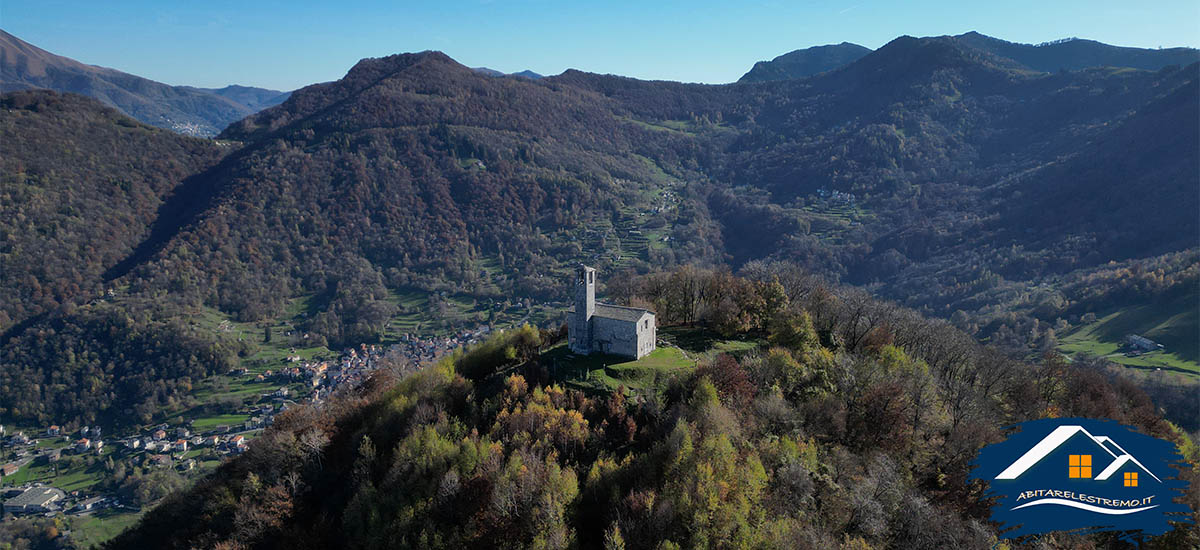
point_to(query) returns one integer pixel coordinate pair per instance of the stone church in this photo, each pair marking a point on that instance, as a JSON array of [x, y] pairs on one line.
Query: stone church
[[605, 328]]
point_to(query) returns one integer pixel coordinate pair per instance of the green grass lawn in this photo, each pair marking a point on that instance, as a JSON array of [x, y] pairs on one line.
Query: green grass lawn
[[91, 531], [243, 387], [606, 373], [1175, 325], [207, 423]]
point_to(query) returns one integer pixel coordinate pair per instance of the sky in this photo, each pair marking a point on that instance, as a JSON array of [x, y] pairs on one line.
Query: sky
[[289, 44]]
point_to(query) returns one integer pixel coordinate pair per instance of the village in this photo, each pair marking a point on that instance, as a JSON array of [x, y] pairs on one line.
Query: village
[[32, 459]]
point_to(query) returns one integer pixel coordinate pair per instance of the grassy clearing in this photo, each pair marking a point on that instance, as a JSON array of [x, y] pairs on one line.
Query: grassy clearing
[[672, 126], [207, 423], [686, 127], [681, 349], [69, 473], [699, 341]]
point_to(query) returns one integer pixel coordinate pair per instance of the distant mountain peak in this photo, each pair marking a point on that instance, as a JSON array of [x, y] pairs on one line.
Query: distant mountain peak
[[909, 58], [368, 85], [402, 61], [486, 71], [935, 51], [806, 62], [493, 72]]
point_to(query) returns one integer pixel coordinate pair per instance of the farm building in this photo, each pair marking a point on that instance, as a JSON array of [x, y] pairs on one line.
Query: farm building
[[1142, 344]]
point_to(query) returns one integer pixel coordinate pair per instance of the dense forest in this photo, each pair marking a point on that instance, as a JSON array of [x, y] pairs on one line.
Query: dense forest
[[852, 426], [80, 185], [960, 183]]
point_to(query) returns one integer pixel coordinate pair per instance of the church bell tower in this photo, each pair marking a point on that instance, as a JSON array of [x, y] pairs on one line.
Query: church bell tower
[[585, 307]]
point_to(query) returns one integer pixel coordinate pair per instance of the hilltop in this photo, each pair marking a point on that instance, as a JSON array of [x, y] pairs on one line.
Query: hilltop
[[806, 62], [846, 429]]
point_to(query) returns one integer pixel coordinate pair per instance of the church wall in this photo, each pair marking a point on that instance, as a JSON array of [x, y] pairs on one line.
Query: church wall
[[614, 336]]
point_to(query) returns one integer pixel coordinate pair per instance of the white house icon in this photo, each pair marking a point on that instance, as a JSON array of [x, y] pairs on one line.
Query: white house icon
[[1059, 436]]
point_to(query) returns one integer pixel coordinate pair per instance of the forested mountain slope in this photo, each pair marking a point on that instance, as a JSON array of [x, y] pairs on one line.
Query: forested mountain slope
[[81, 185], [934, 146]]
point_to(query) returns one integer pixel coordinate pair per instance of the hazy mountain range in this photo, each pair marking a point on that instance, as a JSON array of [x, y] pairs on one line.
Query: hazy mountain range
[[188, 110], [493, 72]]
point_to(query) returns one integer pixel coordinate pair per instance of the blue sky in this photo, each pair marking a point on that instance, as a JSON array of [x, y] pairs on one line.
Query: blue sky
[[285, 45]]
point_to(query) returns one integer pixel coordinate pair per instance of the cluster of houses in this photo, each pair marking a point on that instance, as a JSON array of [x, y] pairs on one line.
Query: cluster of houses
[[20, 449], [417, 349], [357, 363], [180, 440], [837, 197], [162, 446], [37, 498], [311, 372]]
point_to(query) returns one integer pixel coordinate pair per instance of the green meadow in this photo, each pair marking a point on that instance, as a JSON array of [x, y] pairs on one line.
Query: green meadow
[[1175, 325]]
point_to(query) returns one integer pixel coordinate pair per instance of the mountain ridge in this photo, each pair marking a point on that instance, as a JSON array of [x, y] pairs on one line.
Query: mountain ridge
[[1070, 54], [1074, 54]]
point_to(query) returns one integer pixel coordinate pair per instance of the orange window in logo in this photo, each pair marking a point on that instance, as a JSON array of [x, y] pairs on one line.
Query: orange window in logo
[[1131, 479], [1080, 467]]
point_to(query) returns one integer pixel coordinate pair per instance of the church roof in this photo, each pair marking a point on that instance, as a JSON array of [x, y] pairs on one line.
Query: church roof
[[621, 313]]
